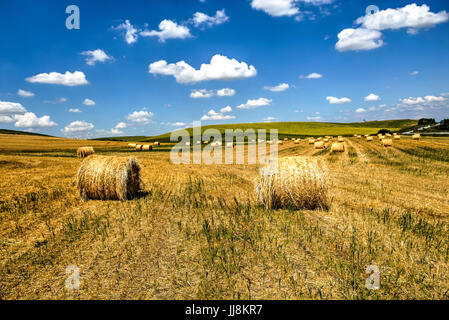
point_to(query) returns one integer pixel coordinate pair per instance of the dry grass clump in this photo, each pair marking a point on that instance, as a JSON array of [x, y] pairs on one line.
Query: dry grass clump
[[320, 145], [337, 147], [387, 142], [369, 138], [83, 152], [147, 147], [416, 136], [298, 183], [108, 178]]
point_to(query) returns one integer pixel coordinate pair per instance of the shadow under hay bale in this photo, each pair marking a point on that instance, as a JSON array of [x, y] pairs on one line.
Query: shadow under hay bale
[[297, 183], [83, 152], [109, 178]]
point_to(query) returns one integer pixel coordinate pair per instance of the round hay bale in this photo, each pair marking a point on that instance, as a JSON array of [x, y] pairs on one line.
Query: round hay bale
[[340, 139], [280, 142], [83, 152], [230, 145], [396, 137], [298, 183], [337, 147], [138, 147], [311, 141], [297, 141], [131, 145], [157, 143], [387, 142], [320, 145], [147, 147], [326, 139], [416, 136], [368, 139], [108, 178]]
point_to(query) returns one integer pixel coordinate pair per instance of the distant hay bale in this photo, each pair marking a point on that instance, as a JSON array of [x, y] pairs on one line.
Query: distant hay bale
[[337, 147], [311, 141], [319, 139], [340, 139], [296, 141], [280, 142], [326, 139], [388, 135], [396, 137], [387, 142], [83, 152], [147, 147], [369, 138], [187, 143], [297, 183], [416, 136], [381, 137], [285, 139], [157, 143], [319, 145], [138, 147], [108, 178], [131, 145], [230, 145]]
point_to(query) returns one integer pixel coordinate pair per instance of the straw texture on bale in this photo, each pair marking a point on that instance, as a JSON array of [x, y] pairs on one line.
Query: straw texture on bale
[[108, 178], [297, 183], [387, 142], [320, 145], [147, 147], [83, 152], [416, 136], [337, 147]]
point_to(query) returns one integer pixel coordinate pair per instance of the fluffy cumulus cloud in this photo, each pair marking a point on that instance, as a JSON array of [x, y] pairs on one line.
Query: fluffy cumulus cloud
[[225, 92], [69, 79], [359, 39], [280, 87], [142, 117], [372, 97], [201, 93], [314, 118], [25, 94], [276, 8], [256, 103], [7, 107], [201, 19], [168, 30], [368, 35], [6, 119], [360, 110], [334, 100], [77, 127], [130, 32], [226, 109], [213, 115], [219, 68], [312, 75], [94, 56], [421, 100], [269, 119], [30, 120], [76, 110], [174, 124], [88, 102]]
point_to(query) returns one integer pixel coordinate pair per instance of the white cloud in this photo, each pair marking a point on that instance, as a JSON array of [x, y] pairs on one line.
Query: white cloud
[[318, 118], [412, 100], [280, 87], [88, 102], [141, 117], [359, 39], [360, 110], [25, 94], [69, 79], [225, 92], [410, 16], [30, 120], [312, 75], [62, 99], [219, 68], [7, 107], [276, 8], [226, 109], [94, 56], [434, 99], [168, 30], [78, 126], [213, 115], [421, 100], [334, 100], [372, 97], [131, 35], [121, 125], [269, 119], [175, 124], [251, 104], [200, 18], [6, 119], [201, 93], [414, 73], [76, 110]]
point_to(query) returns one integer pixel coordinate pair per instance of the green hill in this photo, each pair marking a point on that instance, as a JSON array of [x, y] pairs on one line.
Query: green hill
[[294, 129], [6, 131]]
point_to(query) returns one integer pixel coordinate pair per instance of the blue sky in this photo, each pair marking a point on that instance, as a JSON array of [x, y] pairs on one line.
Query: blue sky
[[153, 66]]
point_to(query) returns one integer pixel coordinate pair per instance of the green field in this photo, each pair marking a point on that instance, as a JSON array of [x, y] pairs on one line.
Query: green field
[[295, 129]]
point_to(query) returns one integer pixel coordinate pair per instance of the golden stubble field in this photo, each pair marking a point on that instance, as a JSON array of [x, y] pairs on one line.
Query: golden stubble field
[[198, 232]]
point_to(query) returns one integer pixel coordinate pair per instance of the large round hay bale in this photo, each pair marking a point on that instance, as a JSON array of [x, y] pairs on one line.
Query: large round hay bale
[[138, 147], [396, 137], [157, 143], [320, 145], [340, 139], [416, 136], [147, 147], [311, 141], [131, 145], [326, 139], [369, 138], [337, 147], [387, 142], [298, 183], [108, 178], [83, 152]]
